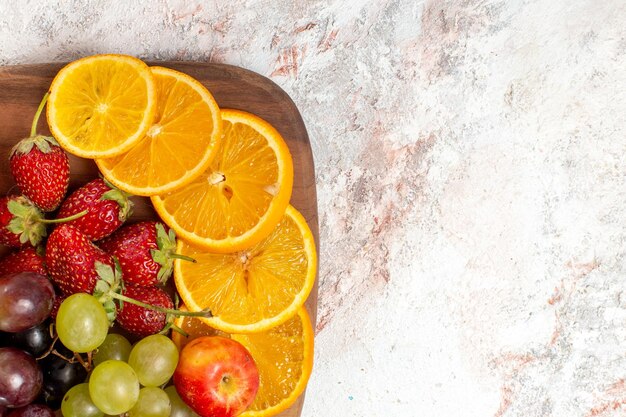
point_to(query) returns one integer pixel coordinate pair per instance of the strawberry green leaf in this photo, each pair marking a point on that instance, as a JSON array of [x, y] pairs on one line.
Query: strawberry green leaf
[[19, 207], [42, 144], [16, 225], [111, 310], [24, 238], [121, 198], [27, 221], [105, 272], [101, 289], [166, 242]]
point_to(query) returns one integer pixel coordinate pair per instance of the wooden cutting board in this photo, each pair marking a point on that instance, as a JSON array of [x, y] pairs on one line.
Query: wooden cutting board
[[23, 86]]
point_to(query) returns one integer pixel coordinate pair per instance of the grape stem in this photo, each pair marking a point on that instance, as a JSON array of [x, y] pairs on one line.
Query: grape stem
[[86, 365], [50, 349], [202, 313], [56, 353], [33, 128]]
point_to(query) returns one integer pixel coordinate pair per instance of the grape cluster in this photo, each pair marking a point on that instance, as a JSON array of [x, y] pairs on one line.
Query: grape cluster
[[51, 373], [129, 380]]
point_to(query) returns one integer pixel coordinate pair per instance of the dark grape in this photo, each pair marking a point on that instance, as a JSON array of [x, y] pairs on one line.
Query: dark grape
[[20, 378], [36, 340], [59, 375], [25, 300], [32, 410], [5, 340]]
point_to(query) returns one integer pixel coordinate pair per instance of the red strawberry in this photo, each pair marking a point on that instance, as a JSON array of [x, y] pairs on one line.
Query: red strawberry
[[77, 265], [27, 259], [57, 303], [71, 260], [42, 171], [21, 221], [107, 208], [40, 167], [145, 251], [143, 321]]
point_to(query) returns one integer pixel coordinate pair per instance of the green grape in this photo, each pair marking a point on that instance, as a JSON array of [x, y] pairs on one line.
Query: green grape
[[154, 358], [152, 402], [179, 408], [115, 346], [114, 387], [82, 323], [77, 403]]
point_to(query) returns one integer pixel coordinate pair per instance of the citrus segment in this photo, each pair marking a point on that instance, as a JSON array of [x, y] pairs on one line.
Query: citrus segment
[[283, 355], [254, 289], [177, 147], [243, 194], [101, 105]]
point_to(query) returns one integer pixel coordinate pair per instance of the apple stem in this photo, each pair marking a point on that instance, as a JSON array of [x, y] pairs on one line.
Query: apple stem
[[64, 219], [33, 128], [202, 313]]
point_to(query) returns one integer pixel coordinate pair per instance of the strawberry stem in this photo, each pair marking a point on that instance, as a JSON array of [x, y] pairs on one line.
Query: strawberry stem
[[33, 128], [183, 257], [202, 313], [179, 330], [64, 219]]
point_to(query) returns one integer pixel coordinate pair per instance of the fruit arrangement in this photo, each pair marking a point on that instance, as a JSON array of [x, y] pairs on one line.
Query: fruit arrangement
[[91, 319]]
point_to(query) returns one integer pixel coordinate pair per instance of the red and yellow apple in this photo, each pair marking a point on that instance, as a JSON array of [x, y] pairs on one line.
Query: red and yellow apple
[[216, 377]]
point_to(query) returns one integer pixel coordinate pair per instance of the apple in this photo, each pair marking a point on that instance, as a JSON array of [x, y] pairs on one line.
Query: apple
[[216, 377]]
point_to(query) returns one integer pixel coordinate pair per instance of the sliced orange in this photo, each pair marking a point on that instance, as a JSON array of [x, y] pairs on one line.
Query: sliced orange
[[283, 355], [242, 195], [254, 289], [101, 105], [177, 147]]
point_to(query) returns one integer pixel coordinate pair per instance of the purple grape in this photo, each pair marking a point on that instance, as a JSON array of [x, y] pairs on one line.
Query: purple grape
[[5, 340], [20, 378], [36, 340], [59, 376], [32, 410], [25, 300]]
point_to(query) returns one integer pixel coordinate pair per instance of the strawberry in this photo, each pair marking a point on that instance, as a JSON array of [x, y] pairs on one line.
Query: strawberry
[[27, 259], [145, 251], [42, 171], [22, 222], [75, 264], [71, 260], [58, 299], [40, 167], [142, 321], [107, 208]]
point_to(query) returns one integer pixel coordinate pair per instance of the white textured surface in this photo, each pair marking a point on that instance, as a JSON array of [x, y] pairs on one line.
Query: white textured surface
[[471, 173]]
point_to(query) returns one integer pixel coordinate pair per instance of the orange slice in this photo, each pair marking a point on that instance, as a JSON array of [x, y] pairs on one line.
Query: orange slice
[[242, 195], [283, 355], [255, 289], [177, 147], [101, 105]]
